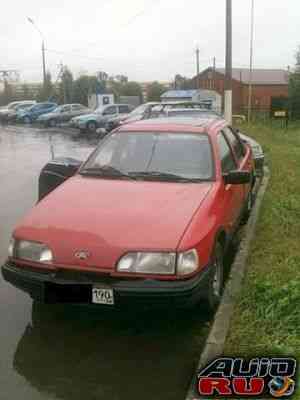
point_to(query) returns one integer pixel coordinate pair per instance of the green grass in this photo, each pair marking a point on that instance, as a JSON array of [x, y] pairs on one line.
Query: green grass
[[267, 317]]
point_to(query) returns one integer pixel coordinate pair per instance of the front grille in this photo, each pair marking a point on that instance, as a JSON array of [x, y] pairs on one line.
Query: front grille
[[82, 276]]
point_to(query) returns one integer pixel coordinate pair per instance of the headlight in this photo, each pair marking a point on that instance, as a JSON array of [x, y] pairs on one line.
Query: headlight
[[159, 263], [187, 262], [31, 251], [148, 263], [11, 247]]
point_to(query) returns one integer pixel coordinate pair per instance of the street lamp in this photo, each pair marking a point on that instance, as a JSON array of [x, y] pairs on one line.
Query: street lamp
[[228, 72], [43, 48]]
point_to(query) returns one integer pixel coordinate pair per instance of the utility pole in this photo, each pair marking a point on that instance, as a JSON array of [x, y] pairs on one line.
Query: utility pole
[[214, 73], [251, 64], [198, 68], [228, 73], [44, 62]]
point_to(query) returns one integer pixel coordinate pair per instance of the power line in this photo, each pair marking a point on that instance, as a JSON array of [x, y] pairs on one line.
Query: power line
[[141, 13], [132, 19]]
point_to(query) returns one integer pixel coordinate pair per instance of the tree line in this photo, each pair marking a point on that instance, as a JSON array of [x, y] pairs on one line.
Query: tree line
[[66, 89], [294, 89]]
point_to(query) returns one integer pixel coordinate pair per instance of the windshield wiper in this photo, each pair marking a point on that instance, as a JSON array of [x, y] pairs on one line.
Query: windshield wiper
[[106, 171], [157, 175]]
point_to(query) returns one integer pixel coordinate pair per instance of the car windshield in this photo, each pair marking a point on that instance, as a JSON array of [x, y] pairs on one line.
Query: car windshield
[[12, 106], [139, 110], [23, 107], [57, 109], [99, 110], [153, 156]]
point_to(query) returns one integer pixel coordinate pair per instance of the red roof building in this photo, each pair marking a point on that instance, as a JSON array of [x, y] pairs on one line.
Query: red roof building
[[267, 84]]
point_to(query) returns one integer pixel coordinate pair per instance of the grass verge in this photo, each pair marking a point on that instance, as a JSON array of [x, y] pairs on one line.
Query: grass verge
[[267, 317]]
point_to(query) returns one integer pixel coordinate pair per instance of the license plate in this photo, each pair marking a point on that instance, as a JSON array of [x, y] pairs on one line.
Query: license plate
[[103, 296]]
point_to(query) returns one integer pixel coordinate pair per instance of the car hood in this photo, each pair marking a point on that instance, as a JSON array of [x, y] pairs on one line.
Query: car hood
[[4, 110], [47, 115], [108, 218], [85, 117]]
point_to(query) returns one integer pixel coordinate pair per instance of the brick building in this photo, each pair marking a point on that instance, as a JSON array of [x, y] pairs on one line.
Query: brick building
[[266, 85]]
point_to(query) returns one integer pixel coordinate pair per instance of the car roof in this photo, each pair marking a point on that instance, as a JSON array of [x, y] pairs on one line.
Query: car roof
[[200, 125]]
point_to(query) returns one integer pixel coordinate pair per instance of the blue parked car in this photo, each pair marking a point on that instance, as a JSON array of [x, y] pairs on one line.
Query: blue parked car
[[29, 115]]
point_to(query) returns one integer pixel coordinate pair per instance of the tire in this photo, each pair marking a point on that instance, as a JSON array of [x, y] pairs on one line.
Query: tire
[[216, 281], [52, 123], [91, 126], [27, 120], [249, 206]]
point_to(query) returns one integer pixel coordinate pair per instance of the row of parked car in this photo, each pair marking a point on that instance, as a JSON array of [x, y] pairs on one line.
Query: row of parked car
[[49, 114], [109, 117]]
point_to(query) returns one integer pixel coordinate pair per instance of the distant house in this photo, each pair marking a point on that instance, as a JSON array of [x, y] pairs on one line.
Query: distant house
[[267, 86], [210, 97]]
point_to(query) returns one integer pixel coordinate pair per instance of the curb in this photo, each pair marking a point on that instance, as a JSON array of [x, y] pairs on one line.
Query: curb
[[215, 342]]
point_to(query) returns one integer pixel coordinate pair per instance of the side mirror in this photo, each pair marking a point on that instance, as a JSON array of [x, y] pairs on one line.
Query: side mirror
[[237, 177], [55, 173]]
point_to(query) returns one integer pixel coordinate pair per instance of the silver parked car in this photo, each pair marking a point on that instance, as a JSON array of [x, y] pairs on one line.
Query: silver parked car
[[63, 113], [8, 113], [98, 119]]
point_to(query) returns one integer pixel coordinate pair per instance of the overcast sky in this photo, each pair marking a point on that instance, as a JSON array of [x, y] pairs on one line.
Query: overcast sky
[[144, 39]]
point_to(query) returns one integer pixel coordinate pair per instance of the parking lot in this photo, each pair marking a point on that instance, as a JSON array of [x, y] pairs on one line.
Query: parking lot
[[72, 353]]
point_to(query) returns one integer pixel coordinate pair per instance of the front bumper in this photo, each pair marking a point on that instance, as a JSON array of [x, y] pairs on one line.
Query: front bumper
[[76, 287]]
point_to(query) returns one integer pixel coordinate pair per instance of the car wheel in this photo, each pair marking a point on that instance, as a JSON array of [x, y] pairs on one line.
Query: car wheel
[[52, 123], [216, 281], [249, 206], [91, 126], [27, 120]]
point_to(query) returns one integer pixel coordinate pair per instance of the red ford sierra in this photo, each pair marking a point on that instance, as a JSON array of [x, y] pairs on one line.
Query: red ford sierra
[[145, 220]]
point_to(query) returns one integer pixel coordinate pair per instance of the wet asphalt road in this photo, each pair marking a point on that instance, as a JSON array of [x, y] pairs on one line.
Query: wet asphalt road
[[72, 353]]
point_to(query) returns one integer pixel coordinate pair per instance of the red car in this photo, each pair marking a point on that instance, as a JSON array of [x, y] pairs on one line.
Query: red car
[[145, 220]]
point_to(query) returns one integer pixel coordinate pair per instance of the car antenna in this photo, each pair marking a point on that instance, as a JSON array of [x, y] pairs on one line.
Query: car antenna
[[51, 147]]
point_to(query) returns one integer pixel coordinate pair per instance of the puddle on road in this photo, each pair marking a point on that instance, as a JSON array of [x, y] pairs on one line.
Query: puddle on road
[[76, 354]]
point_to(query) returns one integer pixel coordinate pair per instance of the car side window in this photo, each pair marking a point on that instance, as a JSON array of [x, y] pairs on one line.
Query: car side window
[[235, 142], [110, 110], [77, 107], [66, 109], [45, 106], [123, 109], [227, 160]]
